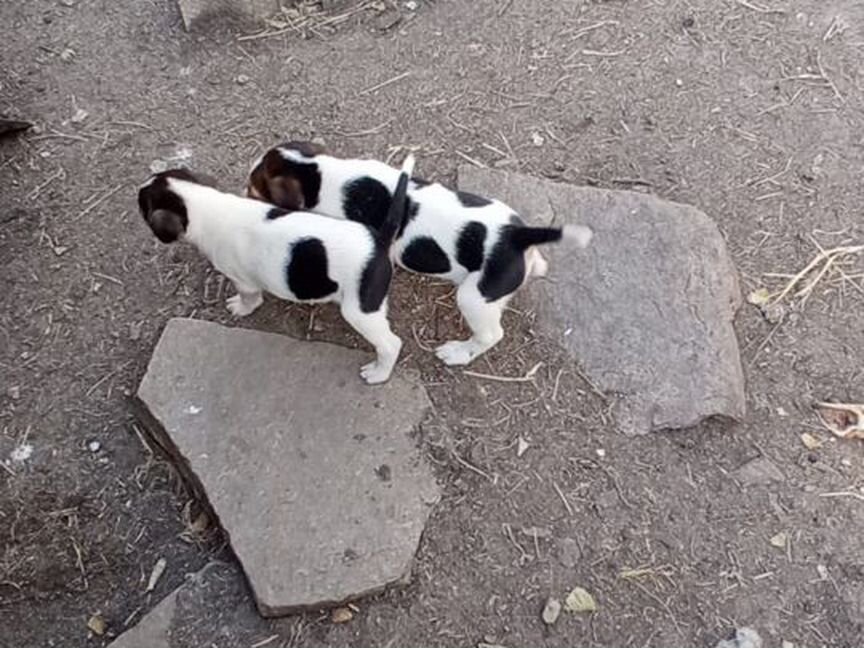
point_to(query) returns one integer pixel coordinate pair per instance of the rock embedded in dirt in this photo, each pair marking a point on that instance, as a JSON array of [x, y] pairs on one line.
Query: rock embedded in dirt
[[212, 607], [646, 310], [551, 611], [759, 472], [569, 552], [193, 10], [286, 443]]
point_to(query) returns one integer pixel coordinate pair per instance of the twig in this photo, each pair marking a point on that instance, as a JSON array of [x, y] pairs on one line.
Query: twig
[[472, 467], [563, 498], [528, 377], [857, 496], [760, 9], [383, 84], [98, 202], [362, 133], [468, 158]]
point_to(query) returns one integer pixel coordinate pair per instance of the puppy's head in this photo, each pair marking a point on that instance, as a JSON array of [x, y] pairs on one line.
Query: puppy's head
[[163, 207], [277, 180]]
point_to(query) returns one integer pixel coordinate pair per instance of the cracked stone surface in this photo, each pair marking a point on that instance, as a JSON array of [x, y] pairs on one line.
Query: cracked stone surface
[[193, 10], [646, 310], [212, 608], [312, 473]]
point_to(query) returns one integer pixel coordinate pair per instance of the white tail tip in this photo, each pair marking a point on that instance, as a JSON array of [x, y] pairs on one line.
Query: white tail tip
[[579, 234], [408, 165]]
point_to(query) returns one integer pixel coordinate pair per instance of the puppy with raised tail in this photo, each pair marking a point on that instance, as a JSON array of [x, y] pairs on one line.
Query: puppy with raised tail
[[480, 244], [297, 256]]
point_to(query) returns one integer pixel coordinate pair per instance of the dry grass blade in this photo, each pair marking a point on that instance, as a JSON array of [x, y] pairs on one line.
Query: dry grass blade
[[528, 377], [824, 261]]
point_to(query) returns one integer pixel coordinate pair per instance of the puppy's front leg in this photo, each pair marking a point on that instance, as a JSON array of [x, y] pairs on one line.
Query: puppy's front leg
[[245, 301]]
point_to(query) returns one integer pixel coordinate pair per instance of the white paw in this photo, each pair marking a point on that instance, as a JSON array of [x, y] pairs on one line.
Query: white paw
[[456, 352], [240, 308], [375, 373]]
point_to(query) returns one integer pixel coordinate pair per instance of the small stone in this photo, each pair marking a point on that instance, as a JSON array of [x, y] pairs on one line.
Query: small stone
[[79, 116], [158, 166], [67, 55], [569, 552], [759, 472], [521, 446], [744, 638], [320, 141], [600, 452], [782, 412], [679, 82], [537, 139], [688, 22], [822, 570], [242, 79], [787, 644], [779, 540], [94, 446], [551, 611], [341, 615], [97, 625], [14, 392], [135, 331], [411, 5], [68, 3]]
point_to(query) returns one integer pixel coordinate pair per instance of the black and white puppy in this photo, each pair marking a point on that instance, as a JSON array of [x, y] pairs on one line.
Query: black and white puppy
[[480, 244], [297, 256]]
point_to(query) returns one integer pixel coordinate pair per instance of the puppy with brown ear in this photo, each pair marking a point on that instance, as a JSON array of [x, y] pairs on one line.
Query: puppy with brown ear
[[304, 257]]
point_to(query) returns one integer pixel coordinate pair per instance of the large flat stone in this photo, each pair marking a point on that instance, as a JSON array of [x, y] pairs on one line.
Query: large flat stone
[[646, 310], [213, 608], [194, 10], [311, 472]]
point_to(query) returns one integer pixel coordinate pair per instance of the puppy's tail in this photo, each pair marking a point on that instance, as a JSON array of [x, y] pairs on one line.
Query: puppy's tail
[[398, 211], [525, 237]]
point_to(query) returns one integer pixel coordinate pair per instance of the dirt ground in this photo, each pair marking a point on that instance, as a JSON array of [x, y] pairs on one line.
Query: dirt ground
[[751, 110]]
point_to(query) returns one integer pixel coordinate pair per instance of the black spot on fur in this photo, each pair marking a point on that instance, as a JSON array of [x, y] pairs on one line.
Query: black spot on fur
[[375, 282], [306, 273], [469, 246], [505, 267], [276, 212], [424, 255], [410, 215], [419, 183], [366, 200], [472, 200]]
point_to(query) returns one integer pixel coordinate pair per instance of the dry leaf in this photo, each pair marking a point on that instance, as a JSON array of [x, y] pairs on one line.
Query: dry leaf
[[97, 625], [156, 574], [810, 442], [846, 420], [759, 297], [779, 540], [580, 600], [341, 615], [521, 446]]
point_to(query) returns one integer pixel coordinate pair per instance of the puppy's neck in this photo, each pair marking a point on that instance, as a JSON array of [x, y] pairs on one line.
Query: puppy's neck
[[215, 218]]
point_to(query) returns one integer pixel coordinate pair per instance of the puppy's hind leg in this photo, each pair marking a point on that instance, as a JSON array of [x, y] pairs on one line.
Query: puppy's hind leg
[[245, 301], [484, 319], [376, 329]]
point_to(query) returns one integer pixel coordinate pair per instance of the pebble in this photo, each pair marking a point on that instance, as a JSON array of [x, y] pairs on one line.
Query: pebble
[[411, 5], [551, 611], [569, 553], [94, 446], [759, 471], [242, 79], [14, 392], [341, 615], [744, 638]]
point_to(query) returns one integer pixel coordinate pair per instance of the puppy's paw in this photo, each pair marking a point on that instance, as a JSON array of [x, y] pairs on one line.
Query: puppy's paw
[[456, 352], [240, 307], [375, 373]]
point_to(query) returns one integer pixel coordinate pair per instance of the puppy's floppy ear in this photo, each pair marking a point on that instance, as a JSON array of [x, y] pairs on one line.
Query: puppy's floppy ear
[[168, 226], [286, 192]]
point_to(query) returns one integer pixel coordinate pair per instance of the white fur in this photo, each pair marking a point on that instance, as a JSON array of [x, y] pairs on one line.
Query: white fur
[[442, 217], [233, 233]]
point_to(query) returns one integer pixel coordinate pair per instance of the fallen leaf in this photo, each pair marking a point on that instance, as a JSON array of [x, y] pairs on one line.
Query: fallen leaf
[[156, 574], [341, 615], [200, 524], [97, 625], [759, 297], [810, 442], [779, 540], [846, 420], [521, 446], [580, 600]]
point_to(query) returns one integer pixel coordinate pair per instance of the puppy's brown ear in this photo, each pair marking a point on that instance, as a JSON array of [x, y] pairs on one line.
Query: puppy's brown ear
[[286, 192]]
